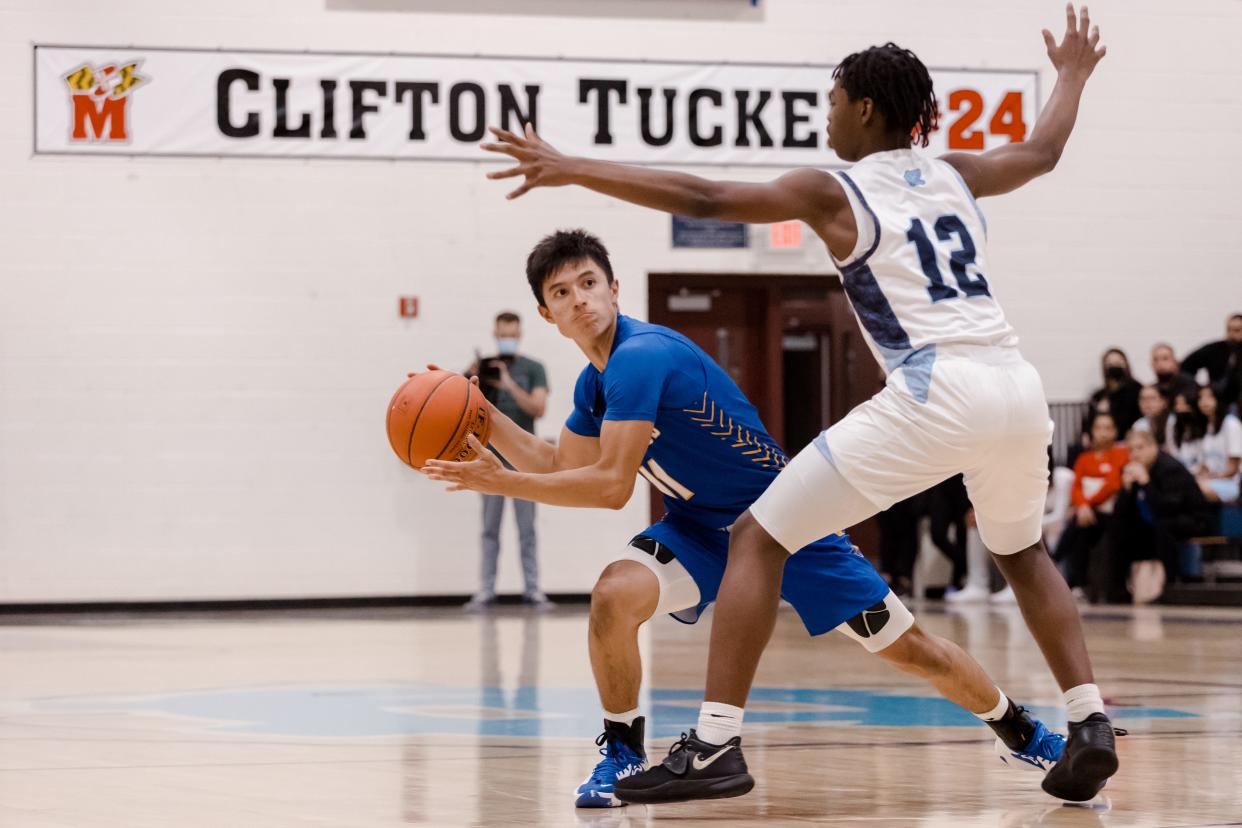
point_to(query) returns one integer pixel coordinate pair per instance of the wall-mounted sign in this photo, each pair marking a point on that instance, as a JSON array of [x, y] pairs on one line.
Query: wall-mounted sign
[[692, 232], [785, 235], [158, 101]]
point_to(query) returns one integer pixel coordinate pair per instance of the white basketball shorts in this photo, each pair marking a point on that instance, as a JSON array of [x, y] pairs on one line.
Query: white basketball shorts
[[985, 416]]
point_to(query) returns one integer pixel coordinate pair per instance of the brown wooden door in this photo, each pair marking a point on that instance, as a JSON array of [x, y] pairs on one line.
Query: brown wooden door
[[791, 343], [729, 322]]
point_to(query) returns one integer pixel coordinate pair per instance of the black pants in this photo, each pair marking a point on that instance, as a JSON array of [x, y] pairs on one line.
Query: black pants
[[1139, 540], [1078, 545], [899, 541], [947, 505]]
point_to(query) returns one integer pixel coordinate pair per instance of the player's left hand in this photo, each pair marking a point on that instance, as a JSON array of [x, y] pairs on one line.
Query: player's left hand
[[537, 160], [472, 373], [484, 473], [1077, 54]]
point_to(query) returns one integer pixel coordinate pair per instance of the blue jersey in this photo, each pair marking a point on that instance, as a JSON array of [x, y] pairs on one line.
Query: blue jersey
[[710, 456]]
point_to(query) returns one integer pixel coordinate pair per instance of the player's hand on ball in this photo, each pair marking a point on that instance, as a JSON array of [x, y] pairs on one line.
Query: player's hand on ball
[[1077, 53], [431, 366], [483, 474], [536, 159]]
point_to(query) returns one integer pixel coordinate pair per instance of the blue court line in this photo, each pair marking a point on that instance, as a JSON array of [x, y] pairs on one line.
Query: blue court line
[[530, 711]]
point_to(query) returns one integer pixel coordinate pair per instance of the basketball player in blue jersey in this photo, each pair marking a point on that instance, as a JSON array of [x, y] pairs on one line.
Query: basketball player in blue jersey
[[652, 403], [910, 243]]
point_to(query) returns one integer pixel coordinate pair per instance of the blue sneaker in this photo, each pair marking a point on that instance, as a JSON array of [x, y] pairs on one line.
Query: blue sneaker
[[624, 755], [1024, 742]]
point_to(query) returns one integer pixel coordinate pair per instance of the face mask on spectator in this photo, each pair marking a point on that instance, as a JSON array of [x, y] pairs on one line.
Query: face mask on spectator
[[507, 346], [1115, 373]]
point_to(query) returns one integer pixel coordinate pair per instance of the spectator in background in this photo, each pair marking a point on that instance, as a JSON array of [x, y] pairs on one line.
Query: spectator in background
[[1097, 480], [947, 504], [1119, 395], [1160, 507], [1220, 450], [1156, 419], [1057, 504], [1189, 426], [899, 542], [518, 387], [1169, 378], [1229, 390], [1223, 362]]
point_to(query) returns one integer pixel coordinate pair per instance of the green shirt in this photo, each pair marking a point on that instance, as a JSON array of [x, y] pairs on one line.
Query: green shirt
[[529, 375]]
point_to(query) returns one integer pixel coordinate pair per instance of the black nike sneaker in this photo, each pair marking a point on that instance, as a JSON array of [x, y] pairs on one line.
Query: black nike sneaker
[[1090, 757], [693, 769]]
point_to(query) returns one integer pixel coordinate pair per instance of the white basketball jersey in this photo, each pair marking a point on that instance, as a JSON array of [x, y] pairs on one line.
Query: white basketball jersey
[[918, 276]]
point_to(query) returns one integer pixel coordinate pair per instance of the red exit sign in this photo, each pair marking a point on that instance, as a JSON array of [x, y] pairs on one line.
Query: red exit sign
[[785, 235]]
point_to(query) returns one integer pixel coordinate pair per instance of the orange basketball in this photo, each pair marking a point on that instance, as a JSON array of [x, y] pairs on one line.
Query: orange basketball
[[431, 414]]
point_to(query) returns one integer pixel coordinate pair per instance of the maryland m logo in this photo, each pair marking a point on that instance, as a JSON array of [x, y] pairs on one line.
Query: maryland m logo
[[100, 96]]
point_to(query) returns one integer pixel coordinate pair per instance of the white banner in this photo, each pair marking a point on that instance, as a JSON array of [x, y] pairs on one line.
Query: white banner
[[187, 102]]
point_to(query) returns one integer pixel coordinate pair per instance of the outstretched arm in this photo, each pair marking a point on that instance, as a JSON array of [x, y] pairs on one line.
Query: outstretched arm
[[807, 194], [1009, 167], [606, 483]]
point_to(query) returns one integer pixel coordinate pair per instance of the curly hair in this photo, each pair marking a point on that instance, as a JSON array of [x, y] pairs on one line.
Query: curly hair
[[898, 83]]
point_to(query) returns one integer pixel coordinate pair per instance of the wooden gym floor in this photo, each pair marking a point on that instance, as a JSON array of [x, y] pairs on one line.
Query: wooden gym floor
[[437, 718]]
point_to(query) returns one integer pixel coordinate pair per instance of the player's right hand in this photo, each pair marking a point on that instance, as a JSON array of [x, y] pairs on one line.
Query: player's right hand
[[538, 161], [1077, 54]]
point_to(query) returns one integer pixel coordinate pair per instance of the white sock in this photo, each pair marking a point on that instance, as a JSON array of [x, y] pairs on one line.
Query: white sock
[[718, 723], [996, 713], [627, 718], [1082, 701]]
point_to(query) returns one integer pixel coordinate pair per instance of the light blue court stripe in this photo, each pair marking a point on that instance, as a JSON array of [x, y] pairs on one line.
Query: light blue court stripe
[[529, 711]]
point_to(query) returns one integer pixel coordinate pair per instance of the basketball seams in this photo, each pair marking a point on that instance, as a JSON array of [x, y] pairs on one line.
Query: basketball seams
[[464, 408], [409, 449]]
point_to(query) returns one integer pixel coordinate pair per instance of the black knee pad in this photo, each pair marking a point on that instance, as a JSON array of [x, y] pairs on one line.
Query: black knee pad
[[870, 621]]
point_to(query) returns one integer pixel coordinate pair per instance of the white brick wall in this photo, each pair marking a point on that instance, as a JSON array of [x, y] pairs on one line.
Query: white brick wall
[[195, 355]]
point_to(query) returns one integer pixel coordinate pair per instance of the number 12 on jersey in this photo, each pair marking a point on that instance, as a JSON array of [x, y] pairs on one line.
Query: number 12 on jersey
[[960, 258]]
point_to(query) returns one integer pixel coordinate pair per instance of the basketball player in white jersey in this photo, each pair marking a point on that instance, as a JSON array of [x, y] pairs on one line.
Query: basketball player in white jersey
[[910, 242]]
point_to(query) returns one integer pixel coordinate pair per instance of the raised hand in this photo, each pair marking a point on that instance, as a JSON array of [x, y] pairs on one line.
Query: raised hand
[[1077, 54], [536, 159]]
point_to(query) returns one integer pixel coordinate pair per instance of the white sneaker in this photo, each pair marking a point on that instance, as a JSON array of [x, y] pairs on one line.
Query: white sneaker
[[538, 602], [481, 602], [1005, 596], [970, 595]]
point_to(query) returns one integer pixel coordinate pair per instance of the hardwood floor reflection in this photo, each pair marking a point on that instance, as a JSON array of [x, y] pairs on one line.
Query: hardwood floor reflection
[[437, 718]]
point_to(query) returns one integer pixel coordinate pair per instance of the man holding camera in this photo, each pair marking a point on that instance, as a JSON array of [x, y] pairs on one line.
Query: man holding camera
[[518, 386]]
